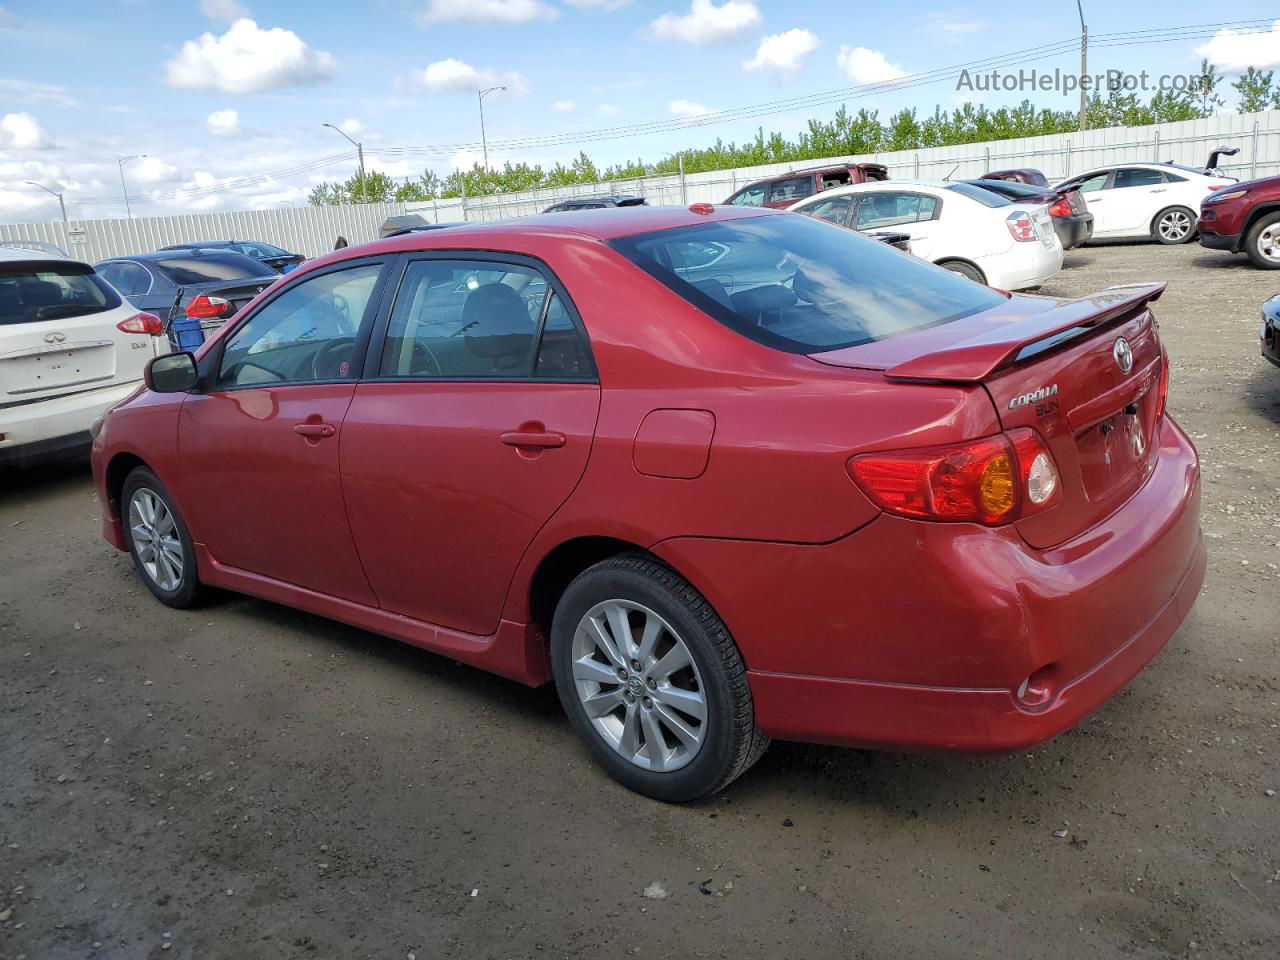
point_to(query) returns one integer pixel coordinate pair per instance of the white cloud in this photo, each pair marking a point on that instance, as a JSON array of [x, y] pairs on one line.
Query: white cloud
[[706, 25], [686, 108], [598, 4], [247, 59], [228, 10], [608, 109], [564, 106], [223, 123], [152, 170], [487, 11], [783, 53], [351, 127], [41, 92], [21, 131], [466, 159], [1234, 51], [950, 27], [456, 76], [867, 66]]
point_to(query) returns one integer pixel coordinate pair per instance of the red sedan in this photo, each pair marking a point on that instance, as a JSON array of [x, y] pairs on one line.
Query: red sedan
[[719, 474]]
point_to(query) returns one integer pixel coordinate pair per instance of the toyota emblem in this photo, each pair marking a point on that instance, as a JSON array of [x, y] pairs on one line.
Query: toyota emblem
[[54, 337], [1123, 354]]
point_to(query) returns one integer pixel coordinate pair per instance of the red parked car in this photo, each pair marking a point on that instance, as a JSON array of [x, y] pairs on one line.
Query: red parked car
[[785, 189], [1244, 217], [719, 474]]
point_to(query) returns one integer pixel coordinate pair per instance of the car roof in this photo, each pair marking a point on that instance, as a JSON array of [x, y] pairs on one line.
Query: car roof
[[606, 223], [200, 243], [874, 186], [170, 253], [27, 255]]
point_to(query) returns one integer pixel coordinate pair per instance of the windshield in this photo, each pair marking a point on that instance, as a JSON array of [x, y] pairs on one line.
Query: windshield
[[210, 268], [801, 285], [29, 293]]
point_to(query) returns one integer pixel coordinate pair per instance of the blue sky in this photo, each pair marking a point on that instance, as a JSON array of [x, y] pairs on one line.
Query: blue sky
[[216, 90]]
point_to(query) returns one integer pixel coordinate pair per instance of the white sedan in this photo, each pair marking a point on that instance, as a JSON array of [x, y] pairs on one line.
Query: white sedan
[[1160, 201], [969, 230], [70, 346]]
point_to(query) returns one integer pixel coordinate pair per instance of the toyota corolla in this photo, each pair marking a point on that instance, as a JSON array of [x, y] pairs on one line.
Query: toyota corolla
[[719, 474]]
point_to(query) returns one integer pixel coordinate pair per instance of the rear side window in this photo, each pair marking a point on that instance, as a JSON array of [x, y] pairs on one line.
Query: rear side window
[[31, 293], [129, 278], [803, 286], [876, 210], [210, 268]]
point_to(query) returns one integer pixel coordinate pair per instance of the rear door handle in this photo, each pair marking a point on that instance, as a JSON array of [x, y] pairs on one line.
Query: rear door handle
[[543, 439], [315, 430]]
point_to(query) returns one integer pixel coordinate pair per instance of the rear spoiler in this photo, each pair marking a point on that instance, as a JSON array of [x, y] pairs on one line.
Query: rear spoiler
[[972, 361]]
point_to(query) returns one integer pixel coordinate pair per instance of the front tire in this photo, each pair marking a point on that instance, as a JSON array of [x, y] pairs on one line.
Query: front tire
[[1262, 242], [1173, 226], [158, 539], [652, 681]]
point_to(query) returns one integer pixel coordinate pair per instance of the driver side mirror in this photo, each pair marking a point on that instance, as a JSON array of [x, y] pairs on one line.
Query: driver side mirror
[[172, 373]]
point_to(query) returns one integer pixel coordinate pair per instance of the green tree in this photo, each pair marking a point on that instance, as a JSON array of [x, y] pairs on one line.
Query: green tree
[[1255, 89], [1206, 89]]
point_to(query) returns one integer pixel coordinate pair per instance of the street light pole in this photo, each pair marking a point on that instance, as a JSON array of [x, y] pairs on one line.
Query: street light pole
[[1084, 65], [121, 162], [484, 144], [359, 154], [61, 205]]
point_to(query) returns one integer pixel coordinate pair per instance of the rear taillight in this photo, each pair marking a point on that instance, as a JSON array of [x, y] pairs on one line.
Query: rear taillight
[[990, 481], [142, 323], [1060, 209], [1021, 227], [205, 307]]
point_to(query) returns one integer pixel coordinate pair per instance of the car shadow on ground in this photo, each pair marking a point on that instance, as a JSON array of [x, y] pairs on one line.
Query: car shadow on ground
[[47, 478], [1214, 260], [1263, 391]]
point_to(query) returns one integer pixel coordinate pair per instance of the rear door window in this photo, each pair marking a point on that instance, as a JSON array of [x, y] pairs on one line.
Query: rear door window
[[792, 188], [1138, 178], [877, 210], [31, 293], [129, 278]]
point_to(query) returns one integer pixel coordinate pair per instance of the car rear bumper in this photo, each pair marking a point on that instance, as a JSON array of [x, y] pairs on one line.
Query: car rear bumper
[[1074, 230], [1022, 266], [918, 636], [55, 426]]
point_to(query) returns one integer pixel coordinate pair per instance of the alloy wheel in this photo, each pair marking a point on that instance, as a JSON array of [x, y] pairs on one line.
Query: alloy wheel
[[1269, 242], [155, 538], [639, 686], [1174, 226]]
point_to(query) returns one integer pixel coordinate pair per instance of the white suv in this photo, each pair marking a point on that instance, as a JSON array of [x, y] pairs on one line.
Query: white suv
[[70, 347]]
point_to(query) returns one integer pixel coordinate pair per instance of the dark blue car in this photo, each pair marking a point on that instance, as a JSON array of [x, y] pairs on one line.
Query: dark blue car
[[281, 261], [167, 282]]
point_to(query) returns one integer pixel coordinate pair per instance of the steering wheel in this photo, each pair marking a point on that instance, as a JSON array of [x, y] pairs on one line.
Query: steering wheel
[[326, 363], [423, 362]]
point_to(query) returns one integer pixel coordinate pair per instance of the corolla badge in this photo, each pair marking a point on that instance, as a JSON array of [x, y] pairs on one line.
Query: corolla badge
[[1123, 354], [1035, 396]]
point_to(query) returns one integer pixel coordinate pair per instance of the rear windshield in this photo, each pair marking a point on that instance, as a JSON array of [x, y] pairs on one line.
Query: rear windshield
[[1008, 188], [982, 195], [802, 285], [29, 293], [210, 267]]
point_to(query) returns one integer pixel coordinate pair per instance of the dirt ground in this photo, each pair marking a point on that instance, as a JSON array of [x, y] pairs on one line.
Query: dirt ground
[[246, 781]]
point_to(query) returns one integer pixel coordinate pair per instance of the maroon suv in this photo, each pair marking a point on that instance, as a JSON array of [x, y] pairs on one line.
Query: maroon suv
[[1244, 218], [785, 189]]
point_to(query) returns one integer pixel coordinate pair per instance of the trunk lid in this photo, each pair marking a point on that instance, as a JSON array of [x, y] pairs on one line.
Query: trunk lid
[[1059, 367]]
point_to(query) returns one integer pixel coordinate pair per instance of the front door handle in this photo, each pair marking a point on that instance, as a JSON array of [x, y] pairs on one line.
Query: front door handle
[[541, 439], [314, 430]]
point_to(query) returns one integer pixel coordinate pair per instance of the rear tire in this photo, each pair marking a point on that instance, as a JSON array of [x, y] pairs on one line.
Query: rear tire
[[158, 539], [1173, 226], [966, 270], [1262, 242], [668, 712]]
